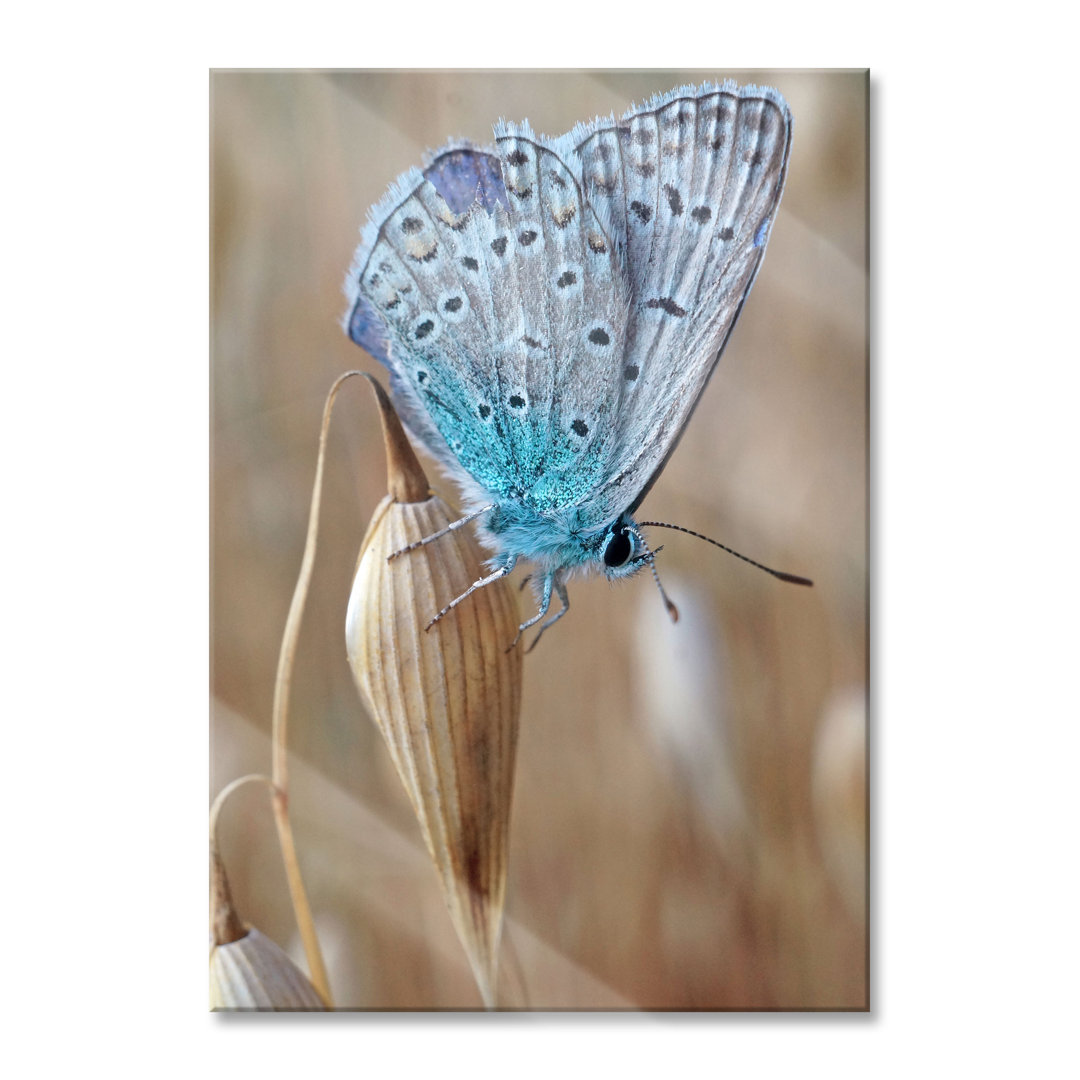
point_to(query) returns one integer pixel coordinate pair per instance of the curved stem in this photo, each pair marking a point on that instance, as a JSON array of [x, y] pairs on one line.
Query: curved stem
[[282, 684], [225, 924], [225, 792]]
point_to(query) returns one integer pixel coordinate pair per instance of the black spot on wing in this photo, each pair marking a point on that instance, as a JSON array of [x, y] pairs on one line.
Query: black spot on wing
[[665, 304]]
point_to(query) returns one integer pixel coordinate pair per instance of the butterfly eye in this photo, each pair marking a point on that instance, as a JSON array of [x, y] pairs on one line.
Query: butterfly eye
[[619, 548]]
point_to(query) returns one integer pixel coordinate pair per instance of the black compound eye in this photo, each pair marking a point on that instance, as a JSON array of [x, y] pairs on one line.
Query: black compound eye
[[619, 548]]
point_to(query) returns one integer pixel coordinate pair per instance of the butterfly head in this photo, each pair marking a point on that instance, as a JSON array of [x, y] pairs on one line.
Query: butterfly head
[[623, 550]]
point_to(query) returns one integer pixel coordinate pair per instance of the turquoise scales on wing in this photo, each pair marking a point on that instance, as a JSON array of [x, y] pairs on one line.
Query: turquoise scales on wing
[[480, 305], [551, 309]]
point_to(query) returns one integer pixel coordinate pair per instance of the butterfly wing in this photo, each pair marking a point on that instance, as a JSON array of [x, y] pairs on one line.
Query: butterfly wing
[[551, 310], [498, 318], [687, 187], [463, 174]]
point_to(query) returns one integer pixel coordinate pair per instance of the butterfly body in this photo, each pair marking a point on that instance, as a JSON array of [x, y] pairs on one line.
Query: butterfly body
[[550, 310]]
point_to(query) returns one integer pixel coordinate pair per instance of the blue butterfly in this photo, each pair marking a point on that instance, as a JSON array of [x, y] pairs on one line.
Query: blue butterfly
[[550, 311]]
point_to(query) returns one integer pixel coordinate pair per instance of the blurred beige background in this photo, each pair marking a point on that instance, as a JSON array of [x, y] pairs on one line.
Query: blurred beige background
[[689, 820]]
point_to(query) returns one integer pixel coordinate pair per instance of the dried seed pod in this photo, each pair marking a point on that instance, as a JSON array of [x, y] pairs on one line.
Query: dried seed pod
[[247, 970], [253, 973], [446, 699]]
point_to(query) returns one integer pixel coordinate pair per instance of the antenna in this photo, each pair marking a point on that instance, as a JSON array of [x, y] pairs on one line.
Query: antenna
[[793, 578]]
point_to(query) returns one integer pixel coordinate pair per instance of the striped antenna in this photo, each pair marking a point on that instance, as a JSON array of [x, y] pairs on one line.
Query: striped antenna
[[793, 578]]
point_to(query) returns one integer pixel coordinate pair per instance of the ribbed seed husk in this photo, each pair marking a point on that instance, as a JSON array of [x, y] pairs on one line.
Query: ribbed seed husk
[[254, 973], [447, 702]]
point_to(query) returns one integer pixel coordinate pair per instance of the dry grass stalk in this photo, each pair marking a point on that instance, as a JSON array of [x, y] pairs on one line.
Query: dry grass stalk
[[446, 699], [247, 970], [226, 927]]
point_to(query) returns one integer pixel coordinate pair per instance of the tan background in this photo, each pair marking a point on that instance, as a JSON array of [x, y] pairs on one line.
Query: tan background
[[689, 819]]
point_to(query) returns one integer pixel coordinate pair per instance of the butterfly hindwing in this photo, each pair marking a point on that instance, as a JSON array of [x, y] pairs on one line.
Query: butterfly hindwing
[[463, 174], [402, 275], [501, 319], [574, 308]]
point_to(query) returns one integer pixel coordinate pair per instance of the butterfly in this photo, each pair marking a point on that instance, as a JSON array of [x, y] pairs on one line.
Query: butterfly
[[550, 311]]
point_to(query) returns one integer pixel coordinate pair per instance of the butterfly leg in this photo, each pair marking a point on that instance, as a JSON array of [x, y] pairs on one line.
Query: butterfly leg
[[500, 573], [453, 526], [564, 596], [545, 603]]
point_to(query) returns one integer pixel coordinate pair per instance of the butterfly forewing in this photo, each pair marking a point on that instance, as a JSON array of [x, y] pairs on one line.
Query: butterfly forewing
[[551, 309], [689, 185]]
